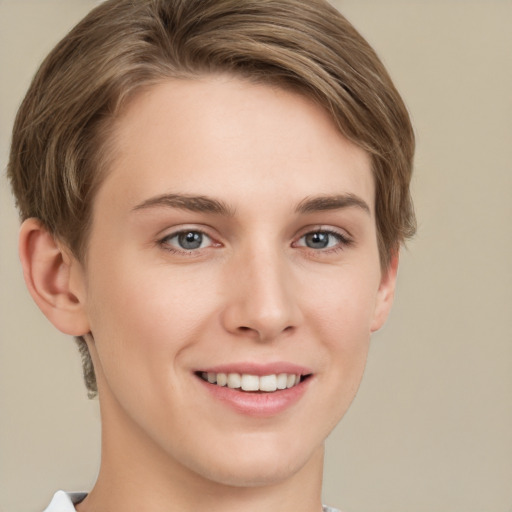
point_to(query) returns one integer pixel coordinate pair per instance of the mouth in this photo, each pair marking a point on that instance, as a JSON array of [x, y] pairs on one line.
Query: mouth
[[249, 383]]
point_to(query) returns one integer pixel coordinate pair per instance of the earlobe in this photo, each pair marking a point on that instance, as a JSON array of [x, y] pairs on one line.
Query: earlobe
[[385, 293], [53, 278]]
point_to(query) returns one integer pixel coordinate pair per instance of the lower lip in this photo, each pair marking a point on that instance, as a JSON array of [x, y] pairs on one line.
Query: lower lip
[[258, 404]]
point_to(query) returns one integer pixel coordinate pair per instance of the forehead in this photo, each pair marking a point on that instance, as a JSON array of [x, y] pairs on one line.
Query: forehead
[[227, 137]]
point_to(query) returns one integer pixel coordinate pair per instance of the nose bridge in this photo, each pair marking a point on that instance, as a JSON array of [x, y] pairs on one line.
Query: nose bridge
[[263, 301]]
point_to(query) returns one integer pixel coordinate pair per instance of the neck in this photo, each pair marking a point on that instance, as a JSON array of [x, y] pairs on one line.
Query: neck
[[136, 474]]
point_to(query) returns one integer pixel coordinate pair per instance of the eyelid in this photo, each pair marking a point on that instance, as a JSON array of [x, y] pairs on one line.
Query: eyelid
[[163, 240], [344, 238]]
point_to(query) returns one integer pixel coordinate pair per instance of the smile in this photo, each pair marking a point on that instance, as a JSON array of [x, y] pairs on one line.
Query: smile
[[252, 383]]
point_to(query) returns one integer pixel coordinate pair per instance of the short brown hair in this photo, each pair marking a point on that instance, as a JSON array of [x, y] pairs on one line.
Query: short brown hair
[[60, 137]]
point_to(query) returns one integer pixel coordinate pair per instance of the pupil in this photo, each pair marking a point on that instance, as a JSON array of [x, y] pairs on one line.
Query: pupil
[[190, 240], [317, 240]]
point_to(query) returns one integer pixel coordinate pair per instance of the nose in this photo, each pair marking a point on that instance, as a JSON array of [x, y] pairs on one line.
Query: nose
[[262, 297]]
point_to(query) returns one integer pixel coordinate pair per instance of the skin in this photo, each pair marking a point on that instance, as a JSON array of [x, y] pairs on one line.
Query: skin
[[254, 291]]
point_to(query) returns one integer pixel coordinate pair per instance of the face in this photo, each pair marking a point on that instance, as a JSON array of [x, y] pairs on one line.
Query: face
[[233, 244]]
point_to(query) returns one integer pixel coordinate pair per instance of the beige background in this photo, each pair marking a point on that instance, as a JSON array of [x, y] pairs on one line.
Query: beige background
[[431, 429]]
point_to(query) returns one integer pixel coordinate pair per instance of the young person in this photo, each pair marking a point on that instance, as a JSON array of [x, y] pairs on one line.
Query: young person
[[213, 196]]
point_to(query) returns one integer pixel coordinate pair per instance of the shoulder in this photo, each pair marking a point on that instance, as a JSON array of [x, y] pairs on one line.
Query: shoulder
[[65, 501]]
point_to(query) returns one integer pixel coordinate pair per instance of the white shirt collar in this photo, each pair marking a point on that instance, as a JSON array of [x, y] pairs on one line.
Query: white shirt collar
[[65, 501]]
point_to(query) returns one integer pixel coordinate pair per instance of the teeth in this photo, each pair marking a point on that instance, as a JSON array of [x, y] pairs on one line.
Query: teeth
[[248, 382], [268, 383], [281, 379], [290, 381], [234, 380]]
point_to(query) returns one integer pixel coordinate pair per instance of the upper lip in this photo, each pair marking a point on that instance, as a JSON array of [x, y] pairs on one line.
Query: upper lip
[[258, 368]]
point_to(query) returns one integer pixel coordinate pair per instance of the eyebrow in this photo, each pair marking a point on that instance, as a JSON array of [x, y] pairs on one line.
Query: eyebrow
[[331, 202], [187, 202], [204, 204]]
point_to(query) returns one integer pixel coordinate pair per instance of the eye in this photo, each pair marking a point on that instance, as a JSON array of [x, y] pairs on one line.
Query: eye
[[188, 240], [323, 239]]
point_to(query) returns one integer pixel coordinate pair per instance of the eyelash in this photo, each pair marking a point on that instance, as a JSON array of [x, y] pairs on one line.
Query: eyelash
[[164, 242], [342, 241]]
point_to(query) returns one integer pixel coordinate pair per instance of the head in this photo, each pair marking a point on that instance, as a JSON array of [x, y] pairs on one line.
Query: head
[[67, 127]]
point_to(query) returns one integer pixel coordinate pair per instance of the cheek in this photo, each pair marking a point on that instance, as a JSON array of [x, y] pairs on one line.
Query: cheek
[[139, 325], [146, 317], [344, 304], [342, 315]]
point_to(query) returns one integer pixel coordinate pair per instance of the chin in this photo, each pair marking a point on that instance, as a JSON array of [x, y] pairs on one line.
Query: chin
[[250, 475], [259, 467]]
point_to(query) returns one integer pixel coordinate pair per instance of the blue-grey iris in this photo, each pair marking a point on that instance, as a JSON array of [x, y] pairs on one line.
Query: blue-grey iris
[[317, 240], [190, 240]]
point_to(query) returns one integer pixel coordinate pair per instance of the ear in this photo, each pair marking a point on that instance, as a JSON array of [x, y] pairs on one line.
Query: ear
[[385, 293], [54, 278]]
